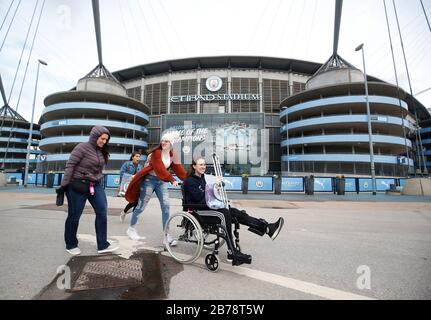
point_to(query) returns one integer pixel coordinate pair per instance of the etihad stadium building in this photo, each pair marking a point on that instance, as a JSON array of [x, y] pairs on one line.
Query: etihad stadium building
[[316, 128]]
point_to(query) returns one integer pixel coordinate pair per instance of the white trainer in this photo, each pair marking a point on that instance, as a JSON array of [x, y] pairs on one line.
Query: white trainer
[[133, 234], [109, 249], [172, 242], [74, 252]]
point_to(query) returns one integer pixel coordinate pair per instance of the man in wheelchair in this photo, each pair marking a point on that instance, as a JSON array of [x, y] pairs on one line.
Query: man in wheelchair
[[194, 195]]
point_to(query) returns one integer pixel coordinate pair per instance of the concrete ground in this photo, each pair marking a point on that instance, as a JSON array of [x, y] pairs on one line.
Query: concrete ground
[[331, 247]]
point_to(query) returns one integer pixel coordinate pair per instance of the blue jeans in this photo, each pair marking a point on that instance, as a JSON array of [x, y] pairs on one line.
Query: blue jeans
[[152, 184], [76, 203]]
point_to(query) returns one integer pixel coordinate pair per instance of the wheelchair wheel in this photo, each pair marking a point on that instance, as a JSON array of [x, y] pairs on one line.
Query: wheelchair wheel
[[209, 241], [212, 262], [187, 234]]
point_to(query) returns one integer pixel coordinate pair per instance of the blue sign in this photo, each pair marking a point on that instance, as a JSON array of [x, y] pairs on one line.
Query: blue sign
[[39, 179], [112, 180], [232, 183], [365, 185], [350, 185], [384, 184], [260, 184], [31, 178], [322, 184], [402, 182], [17, 176], [57, 179], [292, 184]]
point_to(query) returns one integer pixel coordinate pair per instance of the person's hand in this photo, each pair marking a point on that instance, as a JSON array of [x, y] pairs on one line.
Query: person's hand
[[175, 183], [61, 189], [218, 179]]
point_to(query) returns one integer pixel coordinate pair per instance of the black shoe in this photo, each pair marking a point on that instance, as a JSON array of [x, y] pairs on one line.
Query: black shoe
[[274, 228], [229, 257], [240, 258]]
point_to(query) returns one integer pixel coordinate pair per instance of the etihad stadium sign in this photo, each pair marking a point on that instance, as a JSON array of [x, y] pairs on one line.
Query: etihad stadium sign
[[213, 84], [216, 97]]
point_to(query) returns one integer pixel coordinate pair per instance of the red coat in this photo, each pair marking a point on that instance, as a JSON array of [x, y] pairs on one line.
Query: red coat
[[156, 164]]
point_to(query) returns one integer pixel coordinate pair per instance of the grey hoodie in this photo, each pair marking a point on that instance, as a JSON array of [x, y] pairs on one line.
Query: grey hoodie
[[86, 160]]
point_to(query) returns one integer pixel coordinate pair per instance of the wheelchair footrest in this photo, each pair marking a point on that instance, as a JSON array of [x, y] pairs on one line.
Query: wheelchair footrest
[[256, 231], [238, 262]]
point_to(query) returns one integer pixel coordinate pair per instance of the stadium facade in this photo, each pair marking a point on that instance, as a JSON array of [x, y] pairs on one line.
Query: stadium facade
[[14, 135], [232, 92], [99, 99], [325, 127]]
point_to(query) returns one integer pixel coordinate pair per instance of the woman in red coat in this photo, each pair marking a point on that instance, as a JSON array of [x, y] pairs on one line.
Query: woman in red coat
[[154, 177]]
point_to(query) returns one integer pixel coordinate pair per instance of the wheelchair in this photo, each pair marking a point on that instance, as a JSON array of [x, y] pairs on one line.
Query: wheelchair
[[195, 230]]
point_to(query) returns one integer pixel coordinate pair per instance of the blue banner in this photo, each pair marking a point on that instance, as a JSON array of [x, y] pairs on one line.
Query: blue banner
[[39, 179], [31, 178], [402, 182], [232, 183], [384, 184], [292, 184], [350, 185], [57, 179], [17, 176], [365, 185], [260, 184], [322, 184], [112, 180]]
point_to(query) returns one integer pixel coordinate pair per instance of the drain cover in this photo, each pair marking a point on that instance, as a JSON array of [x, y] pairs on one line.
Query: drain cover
[[109, 274]]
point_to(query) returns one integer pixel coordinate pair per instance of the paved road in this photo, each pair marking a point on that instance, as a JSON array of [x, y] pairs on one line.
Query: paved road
[[328, 249]]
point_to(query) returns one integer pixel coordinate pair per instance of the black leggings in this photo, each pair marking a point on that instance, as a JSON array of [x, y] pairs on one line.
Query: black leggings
[[130, 205], [243, 218]]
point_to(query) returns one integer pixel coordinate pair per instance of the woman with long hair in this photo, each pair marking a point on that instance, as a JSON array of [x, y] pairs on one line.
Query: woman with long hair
[[154, 177], [194, 191], [82, 181]]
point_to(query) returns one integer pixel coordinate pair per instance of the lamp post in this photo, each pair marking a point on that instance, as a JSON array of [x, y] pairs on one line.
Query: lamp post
[[27, 160], [370, 138], [287, 140]]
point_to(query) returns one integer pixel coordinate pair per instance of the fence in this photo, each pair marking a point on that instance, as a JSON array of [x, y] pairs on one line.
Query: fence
[[240, 184]]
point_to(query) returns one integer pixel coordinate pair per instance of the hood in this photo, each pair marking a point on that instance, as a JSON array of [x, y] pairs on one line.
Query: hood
[[96, 132]]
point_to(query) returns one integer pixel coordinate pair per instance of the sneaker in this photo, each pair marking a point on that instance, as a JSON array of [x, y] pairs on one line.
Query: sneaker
[[172, 242], [229, 257], [133, 234], [122, 216], [74, 252], [109, 249], [274, 228]]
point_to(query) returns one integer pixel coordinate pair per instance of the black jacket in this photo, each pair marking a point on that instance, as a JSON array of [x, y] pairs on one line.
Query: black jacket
[[194, 190]]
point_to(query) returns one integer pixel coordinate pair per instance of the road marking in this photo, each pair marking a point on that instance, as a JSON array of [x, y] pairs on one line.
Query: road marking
[[290, 283], [128, 247], [303, 286]]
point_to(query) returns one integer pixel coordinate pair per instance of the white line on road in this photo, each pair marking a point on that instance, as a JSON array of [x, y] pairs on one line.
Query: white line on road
[[127, 247]]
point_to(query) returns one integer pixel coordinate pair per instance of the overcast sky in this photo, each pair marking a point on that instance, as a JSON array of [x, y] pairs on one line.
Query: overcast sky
[[136, 32]]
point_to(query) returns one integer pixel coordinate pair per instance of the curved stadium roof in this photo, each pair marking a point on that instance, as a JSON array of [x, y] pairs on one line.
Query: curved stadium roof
[[220, 62]]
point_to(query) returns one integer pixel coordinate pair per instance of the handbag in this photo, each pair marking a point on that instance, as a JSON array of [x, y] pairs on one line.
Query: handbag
[[213, 197], [81, 186]]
